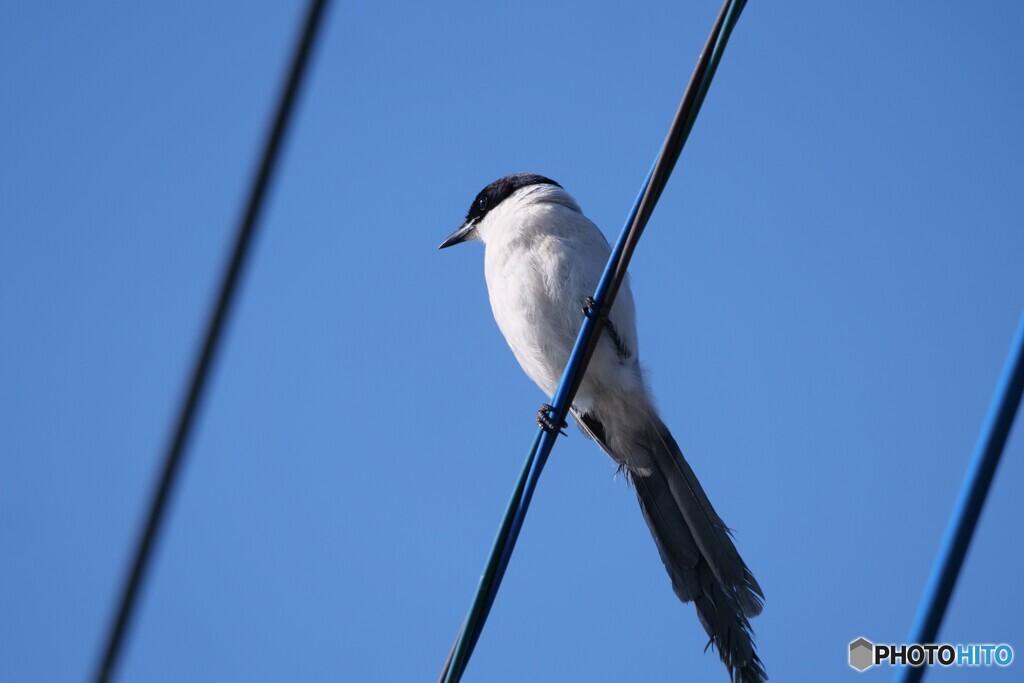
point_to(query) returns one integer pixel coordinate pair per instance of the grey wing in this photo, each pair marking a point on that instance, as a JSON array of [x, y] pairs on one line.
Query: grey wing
[[622, 328]]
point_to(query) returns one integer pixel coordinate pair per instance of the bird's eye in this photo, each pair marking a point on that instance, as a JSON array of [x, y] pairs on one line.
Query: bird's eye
[[481, 203]]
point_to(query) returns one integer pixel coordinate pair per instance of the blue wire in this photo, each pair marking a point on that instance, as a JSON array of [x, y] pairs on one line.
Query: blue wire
[[994, 433], [515, 513]]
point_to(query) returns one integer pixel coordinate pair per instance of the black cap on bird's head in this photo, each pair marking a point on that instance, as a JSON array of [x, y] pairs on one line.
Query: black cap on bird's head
[[490, 197]]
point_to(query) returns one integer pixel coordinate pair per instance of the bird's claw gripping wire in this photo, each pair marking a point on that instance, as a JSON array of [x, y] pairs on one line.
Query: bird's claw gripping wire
[[589, 309], [545, 421]]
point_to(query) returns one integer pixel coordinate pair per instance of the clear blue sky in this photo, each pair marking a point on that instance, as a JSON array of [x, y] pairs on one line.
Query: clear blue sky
[[826, 293]]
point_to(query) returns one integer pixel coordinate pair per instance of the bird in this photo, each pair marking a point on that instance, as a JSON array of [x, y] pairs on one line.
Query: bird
[[543, 259]]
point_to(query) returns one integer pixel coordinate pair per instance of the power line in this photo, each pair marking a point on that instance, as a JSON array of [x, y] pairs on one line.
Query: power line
[[200, 373], [615, 271], [964, 520]]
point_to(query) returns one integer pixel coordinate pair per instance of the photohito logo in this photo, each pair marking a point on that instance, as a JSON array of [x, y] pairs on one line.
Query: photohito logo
[[864, 654]]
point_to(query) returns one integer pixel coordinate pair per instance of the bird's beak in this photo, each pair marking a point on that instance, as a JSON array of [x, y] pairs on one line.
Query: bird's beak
[[466, 231]]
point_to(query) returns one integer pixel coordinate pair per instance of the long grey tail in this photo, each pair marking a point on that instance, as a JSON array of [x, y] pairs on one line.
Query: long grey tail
[[693, 541]]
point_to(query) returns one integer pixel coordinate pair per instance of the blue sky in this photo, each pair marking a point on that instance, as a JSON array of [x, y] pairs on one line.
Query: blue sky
[[826, 292]]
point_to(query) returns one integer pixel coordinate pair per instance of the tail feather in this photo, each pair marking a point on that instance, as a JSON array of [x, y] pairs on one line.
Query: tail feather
[[729, 631], [710, 533], [675, 543], [694, 543]]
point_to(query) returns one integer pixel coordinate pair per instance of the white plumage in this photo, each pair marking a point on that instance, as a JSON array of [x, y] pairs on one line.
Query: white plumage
[[543, 258]]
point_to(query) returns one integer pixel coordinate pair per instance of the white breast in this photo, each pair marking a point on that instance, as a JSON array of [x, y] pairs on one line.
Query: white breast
[[543, 258]]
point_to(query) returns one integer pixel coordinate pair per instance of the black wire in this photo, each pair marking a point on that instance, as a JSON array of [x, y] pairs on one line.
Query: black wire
[[679, 132], [682, 124], [176, 448]]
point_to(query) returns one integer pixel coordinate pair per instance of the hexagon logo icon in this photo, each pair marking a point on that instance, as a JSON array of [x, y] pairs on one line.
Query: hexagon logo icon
[[862, 654]]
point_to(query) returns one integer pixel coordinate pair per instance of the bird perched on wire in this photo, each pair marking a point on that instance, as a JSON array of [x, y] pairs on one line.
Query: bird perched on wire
[[543, 260]]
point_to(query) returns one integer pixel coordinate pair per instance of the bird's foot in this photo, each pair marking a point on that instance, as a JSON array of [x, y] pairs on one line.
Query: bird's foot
[[589, 309], [545, 421]]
